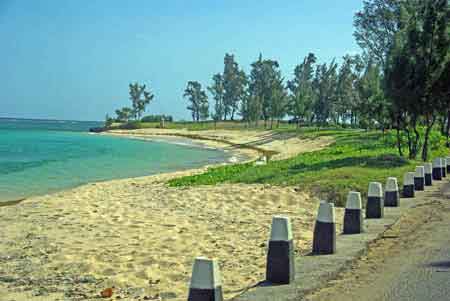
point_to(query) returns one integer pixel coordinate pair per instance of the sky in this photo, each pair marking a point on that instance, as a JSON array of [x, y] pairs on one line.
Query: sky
[[74, 59]]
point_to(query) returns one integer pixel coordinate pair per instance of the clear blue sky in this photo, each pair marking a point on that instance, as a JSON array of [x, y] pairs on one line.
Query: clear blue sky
[[73, 59]]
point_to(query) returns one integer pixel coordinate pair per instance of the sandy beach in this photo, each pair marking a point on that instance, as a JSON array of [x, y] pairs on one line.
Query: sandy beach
[[249, 142], [141, 236]]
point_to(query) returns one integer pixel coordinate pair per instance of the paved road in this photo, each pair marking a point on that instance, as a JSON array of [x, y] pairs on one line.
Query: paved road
[[424, 272], [412, 262]]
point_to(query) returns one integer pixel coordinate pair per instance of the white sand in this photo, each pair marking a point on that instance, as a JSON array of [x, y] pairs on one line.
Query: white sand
[[141, 236]]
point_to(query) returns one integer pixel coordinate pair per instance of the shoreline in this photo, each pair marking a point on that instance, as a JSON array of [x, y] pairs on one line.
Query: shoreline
[[244, 152], [235, 157], [141, 236]]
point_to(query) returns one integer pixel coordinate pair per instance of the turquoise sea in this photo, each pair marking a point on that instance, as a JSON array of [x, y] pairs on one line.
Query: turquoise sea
[[41, 156]]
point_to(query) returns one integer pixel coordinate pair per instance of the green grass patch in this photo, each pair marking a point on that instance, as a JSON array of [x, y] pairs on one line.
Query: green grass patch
[[355, 159]]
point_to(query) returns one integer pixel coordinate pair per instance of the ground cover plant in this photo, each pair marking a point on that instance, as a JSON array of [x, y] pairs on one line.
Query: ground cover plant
[[356, 158]]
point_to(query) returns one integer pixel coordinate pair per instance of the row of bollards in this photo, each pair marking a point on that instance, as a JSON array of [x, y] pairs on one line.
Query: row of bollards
[[280, 267]]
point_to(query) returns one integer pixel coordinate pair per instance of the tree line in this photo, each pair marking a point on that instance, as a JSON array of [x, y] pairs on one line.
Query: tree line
[[140, 97], [400, 81]]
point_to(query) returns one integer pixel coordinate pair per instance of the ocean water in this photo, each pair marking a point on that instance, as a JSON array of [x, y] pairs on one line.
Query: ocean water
[[38, 157]]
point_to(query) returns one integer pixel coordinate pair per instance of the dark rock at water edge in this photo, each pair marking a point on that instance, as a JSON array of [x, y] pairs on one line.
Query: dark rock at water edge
[[98, 130]]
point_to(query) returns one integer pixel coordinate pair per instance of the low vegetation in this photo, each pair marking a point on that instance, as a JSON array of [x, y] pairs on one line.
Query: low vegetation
[[355, 159]]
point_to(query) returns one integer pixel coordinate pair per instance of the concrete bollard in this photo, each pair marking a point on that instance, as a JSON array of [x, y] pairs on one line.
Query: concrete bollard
[[408, 185], [444, 167], [205, 282], [353, 218], [391, 195], [428, 174], [280, 257], [419, 178], [324, 240], [448, 164], [375, 203], [437, 169]]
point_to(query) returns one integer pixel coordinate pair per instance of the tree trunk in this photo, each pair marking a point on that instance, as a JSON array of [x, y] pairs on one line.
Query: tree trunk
[[399, 141], [430, 124], [425, 145], [443, 121], [447, 134], [408, 135], [416, 141]]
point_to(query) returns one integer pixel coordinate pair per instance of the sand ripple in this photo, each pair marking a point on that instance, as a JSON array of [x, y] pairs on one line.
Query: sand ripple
[[141, 237]]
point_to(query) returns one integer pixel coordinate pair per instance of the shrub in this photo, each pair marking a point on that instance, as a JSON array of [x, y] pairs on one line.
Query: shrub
[[157, 118]]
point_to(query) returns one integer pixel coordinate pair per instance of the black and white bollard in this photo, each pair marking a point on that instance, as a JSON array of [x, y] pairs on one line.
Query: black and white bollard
[[375, 203], [324, 240], [391, 194], [447, 160], [205, 282], [419, 178], [353, 217], [280, 257], [428, 174], [444, 167], [408, 185], [437, 169]]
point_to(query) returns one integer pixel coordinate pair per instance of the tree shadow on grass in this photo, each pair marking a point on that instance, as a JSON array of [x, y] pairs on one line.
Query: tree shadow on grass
[[381, 161]]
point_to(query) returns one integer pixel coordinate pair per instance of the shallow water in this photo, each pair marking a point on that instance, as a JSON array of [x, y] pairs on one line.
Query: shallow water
[[37, 157]]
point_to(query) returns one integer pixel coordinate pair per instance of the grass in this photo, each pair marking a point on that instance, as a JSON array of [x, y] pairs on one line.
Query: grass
[[355, 159]]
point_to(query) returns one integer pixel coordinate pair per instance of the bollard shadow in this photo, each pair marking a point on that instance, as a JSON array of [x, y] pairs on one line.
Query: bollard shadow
[[315, 254], [263, 283], [439, 264]]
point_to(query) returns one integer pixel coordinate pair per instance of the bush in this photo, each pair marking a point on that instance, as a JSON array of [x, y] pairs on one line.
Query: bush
[[131, 125], [157, 118]]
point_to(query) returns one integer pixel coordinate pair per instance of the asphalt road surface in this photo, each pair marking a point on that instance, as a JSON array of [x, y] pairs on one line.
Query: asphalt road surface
[[411, 261]]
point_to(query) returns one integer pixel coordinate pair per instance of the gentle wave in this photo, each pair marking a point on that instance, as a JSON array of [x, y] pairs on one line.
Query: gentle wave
[[34, 162]]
